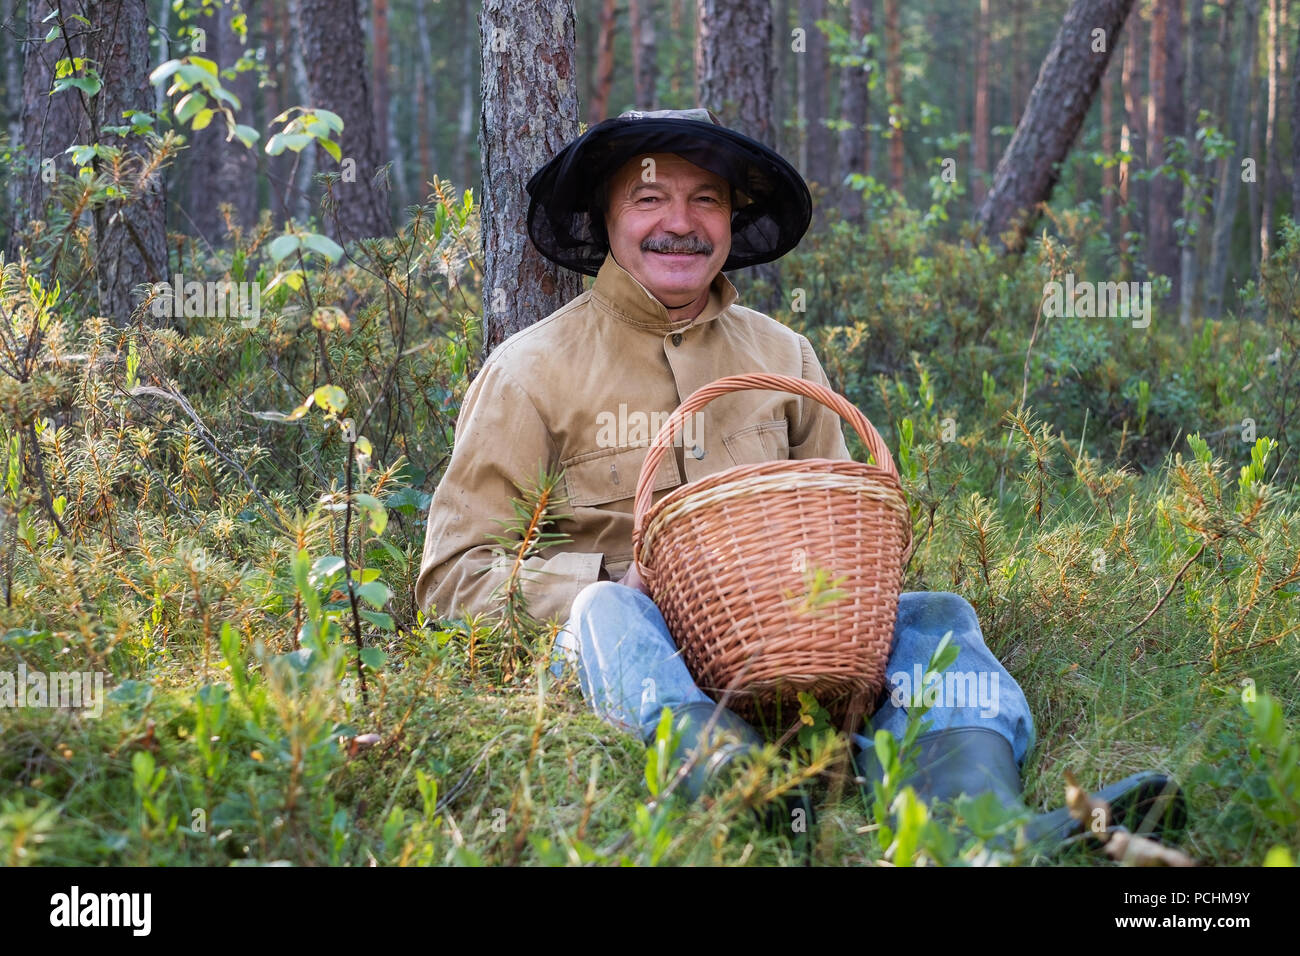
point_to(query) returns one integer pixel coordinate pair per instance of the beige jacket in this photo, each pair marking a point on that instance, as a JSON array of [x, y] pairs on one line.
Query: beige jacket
[[586, 389]]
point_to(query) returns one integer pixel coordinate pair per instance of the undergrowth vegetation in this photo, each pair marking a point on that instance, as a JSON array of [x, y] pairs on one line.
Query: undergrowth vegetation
[[224, 519]]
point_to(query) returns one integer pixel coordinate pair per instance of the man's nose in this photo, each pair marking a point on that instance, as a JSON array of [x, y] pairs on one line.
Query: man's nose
[[677, 217]]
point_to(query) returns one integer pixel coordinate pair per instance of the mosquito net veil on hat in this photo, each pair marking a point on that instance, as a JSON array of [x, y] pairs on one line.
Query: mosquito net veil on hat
[[770, 215]]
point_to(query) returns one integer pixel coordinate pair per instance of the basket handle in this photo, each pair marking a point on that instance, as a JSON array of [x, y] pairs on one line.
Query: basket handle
[[739, 383]]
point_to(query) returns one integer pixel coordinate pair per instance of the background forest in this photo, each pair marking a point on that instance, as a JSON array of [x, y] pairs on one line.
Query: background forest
[[253, 257]]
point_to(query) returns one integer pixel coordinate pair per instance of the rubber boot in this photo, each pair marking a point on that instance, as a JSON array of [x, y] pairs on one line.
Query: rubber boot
[[975, 760], [730, 738]]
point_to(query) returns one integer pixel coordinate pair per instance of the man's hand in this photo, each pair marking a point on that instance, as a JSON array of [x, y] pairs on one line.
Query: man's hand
[[631, 579]]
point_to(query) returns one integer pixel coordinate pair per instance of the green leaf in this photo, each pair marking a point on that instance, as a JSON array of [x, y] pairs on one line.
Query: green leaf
[[205, 63], [325, 568], [189, 105], [296, 141], [376, 594], [332, 148], [164, 71], [275, 145], [202, 120], [332, 120], [379, 619], [373, 657], [324, 245], [90, 85], [282, 246], [246, 134]]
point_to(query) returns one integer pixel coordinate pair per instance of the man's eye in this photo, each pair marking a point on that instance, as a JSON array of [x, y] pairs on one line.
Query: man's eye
[[648, 198]]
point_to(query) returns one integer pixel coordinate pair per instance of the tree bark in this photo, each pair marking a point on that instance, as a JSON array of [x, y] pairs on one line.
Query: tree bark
[[529, 113], [1225, 202], [381, 66], [604, 64], [465, 129], [1196, 167], [426, 111], [1164, 118], [645, 53], [1056, 110], [854, 101], [1295, 133], [817, 63], [733, 66], [980, 133], [894, 91], [220, 171], [733, 77], [1109, 178], [1271, 169], [333, 48], [1135, 124], [131, 236], [49, 123]]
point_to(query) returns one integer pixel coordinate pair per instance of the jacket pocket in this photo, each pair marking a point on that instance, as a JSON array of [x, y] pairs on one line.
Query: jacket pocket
[[760, 442], [611, 474]]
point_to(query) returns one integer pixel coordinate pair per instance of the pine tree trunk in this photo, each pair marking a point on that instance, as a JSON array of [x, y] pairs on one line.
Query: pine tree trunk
[[426, 112], [645, 53], [817, 61], [604, 65], [1165, 116], [1109, 179], [465, 128], [733, 67], [1225, 202], [1135, 117], [130, 237], [783, 67], [1056, 110], [1295, 134], [980, 133], [220, 171], [1196, 166], [49, 123], [854, 101], [381, 66], [333, 47], [894, 91], [1271, 169], [530, 112], [733, 77]]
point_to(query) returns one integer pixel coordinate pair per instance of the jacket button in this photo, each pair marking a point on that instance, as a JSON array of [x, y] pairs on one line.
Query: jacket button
[[697, 451], [677, 338]]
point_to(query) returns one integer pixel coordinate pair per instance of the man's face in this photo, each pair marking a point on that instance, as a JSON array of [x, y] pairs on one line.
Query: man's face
[[672, 233]]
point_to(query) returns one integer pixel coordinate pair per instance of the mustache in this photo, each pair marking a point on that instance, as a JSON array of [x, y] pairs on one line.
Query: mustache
[[678, 246]]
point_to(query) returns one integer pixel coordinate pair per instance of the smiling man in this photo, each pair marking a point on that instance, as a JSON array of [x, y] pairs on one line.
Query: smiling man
[[657, 206]]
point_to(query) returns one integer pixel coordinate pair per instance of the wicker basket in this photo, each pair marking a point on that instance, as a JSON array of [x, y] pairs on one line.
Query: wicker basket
[[732, 560]]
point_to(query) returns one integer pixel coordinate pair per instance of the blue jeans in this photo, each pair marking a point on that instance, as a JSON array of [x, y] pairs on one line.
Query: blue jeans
[[629, 668]]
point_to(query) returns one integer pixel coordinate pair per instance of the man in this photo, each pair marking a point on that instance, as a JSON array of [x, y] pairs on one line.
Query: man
[[657, 205]]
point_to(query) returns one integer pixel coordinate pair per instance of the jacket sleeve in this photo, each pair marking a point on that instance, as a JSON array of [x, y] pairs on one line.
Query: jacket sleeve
[[817, 434], [500, 442]]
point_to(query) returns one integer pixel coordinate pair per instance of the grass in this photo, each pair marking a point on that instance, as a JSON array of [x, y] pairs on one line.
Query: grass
[[219, 565]]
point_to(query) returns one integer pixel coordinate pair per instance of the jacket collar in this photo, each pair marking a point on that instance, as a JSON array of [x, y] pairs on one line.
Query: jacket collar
[[617, 290]]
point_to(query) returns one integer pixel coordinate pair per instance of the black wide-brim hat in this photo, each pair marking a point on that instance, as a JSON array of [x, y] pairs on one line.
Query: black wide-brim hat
[[772, 211]]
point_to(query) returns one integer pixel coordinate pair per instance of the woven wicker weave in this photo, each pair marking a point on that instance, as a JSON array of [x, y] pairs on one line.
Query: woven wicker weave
[[730, 560]]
